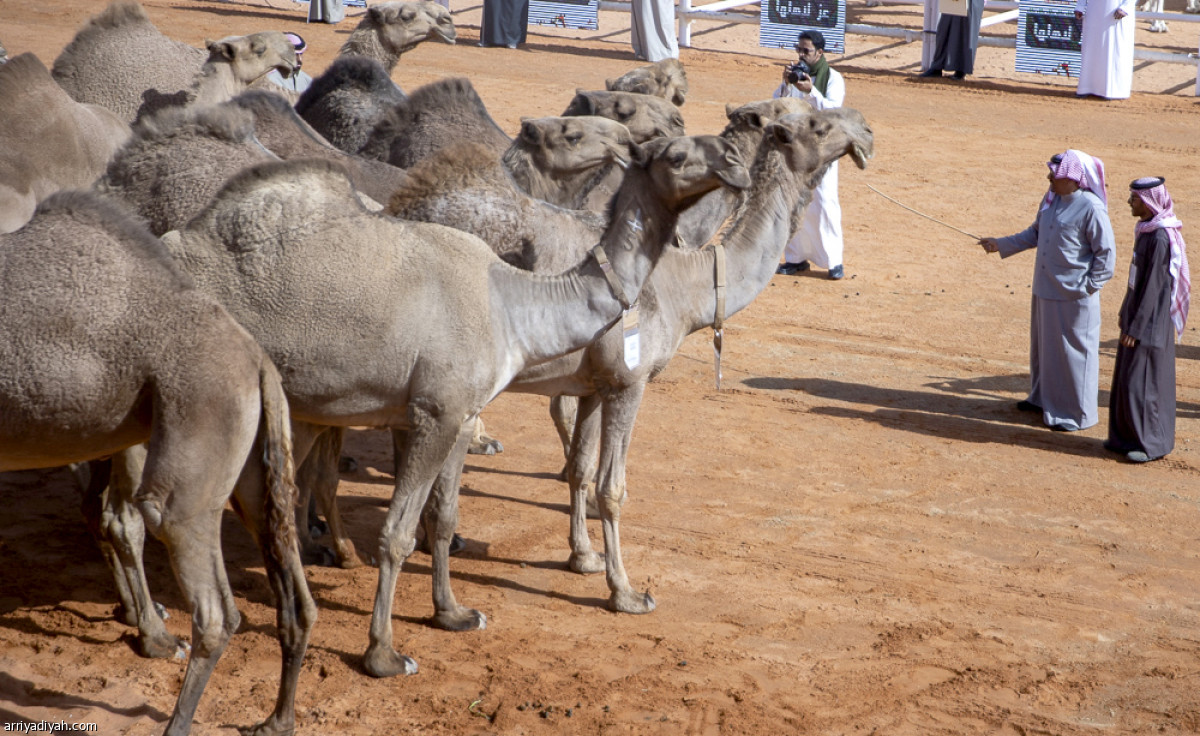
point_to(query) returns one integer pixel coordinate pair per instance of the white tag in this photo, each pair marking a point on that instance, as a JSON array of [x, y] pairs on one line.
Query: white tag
[[717, 339], [1132, 274], [633, 346]]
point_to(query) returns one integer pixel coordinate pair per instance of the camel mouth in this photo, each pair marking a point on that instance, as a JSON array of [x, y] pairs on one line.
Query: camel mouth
[[447, 36], [860, 155], [737, 178]]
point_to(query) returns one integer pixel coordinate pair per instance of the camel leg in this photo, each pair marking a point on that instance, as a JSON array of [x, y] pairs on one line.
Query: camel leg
[[442, 519], [318, 478], [581, 473], [619, 413], [430, 441], [563, 410], [118, 528], [264, 502]]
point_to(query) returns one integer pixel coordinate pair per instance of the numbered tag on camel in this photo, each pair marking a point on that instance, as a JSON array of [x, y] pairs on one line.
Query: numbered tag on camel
[[633, 345]]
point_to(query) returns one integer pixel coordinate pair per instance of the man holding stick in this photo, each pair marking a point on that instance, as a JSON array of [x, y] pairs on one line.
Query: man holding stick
[[1075, 257]]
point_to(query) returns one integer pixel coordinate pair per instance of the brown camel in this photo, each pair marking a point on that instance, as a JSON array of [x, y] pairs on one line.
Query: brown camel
[[48, 141], [443, 328], [646, 116], [434, 116], [345, 103], [75, 284], [665, 79], [120, 61]]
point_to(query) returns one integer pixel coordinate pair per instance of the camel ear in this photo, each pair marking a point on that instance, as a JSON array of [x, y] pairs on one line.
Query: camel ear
[[583, 104], [375, 14], [638, 155], [729, 108], [755, 119], [781, 133], [531, 133], [220, 48], [608, 84]]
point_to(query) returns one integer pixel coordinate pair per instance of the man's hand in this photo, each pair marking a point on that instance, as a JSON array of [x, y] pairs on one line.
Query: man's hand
[[1128, 341], [1078, 15], [1119, 14], [804, 84], [989, 245]]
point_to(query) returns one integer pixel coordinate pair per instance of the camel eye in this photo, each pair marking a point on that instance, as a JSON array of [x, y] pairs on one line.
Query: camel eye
[[408, 15], [677, 159], [574, 138]]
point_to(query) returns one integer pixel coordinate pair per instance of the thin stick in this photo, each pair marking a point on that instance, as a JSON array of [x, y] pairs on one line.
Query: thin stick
[[922, 214]]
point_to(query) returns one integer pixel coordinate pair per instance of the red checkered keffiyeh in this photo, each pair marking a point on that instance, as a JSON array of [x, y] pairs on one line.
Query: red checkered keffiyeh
[[1086, 171], [1160, 203]]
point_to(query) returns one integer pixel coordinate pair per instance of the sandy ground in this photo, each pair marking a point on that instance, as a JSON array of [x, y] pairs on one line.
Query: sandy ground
[[858, 535]]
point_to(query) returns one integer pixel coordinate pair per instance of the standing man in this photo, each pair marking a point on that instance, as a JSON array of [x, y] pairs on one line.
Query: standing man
[[505, 23], [652, 30], [1141, 409], [820, 236], [957, 41], [1075, 255], [1106, 43]]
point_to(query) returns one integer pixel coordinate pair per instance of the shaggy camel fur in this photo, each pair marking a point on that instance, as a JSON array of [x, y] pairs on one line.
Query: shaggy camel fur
[[75, 284], [646, 116], [120, 61], [434, 116], [416, 326], [348, 100], [48, 141], [389, 30], [665, 79]]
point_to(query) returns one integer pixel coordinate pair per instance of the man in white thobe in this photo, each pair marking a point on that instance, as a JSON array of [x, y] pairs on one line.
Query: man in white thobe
[[652, 30], [1106, 66], [819, 239], [1075, 257]]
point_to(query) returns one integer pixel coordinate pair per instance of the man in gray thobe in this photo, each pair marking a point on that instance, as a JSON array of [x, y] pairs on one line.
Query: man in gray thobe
[[1075, 257]]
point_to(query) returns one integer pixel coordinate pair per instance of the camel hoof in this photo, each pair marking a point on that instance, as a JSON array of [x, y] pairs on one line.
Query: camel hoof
[[464, 619], [350, 561], [163, 646], [488, 446], [629, 601], [269, 727], [587, 564], [347, 464], [387, 662], [317, 528]]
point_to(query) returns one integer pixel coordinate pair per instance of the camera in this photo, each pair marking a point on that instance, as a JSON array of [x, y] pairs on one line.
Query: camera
[[798, 71]]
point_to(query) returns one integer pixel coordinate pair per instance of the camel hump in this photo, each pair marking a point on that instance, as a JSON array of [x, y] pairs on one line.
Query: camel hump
[[222, 122], [260, 201], [22, 72], [87, 209], [358, 73], [457, 166], [117, 14], [448, 93]]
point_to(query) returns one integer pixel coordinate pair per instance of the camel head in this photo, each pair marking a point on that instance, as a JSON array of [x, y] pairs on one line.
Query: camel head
[[665, 79], [570, 145], [645, 116], [400, 26], [686, 168], [812, 141], [250, 57], [747, 122]]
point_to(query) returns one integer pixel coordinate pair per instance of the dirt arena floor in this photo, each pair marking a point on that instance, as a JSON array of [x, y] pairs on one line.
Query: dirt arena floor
[[858, 535]]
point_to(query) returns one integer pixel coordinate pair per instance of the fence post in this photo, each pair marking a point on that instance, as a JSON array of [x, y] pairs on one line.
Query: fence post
[[685, 24], [929, 37]]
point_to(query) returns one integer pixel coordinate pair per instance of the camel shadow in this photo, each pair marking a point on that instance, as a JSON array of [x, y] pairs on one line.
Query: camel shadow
[[24, 694]]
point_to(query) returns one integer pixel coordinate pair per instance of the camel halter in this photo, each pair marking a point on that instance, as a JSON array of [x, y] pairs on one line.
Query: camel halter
[[719, 317], [629, 312]]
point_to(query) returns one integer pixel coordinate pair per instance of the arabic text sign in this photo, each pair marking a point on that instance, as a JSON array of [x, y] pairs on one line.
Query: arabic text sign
[[1048, 38], [780, 21]]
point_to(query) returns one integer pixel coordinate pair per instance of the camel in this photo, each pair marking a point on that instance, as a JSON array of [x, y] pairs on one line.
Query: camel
[[119, 60], [48, 141], [1156, 6], [77, 282], [389, 30], [416, 326], [347, 101], [435, 115], [543, 160], [665, 79], [646, 116], [744, 130], [679, 298]]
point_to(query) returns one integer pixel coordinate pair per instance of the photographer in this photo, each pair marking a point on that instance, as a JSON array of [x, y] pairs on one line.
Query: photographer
[[820, 236]]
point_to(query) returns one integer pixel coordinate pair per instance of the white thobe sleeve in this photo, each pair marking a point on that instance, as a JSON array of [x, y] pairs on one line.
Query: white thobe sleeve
[[834, 95]]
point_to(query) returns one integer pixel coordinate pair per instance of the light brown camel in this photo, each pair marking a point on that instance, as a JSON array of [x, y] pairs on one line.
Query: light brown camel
[[75, 284], [120, 61], [48, 141], [646, 116], [389, 30], [679, 298], [543, 159], [415, 326], [665, 79], [435, 115]]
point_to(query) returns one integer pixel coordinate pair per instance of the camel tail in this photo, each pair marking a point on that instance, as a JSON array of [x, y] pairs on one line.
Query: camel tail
[[278, 467]]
